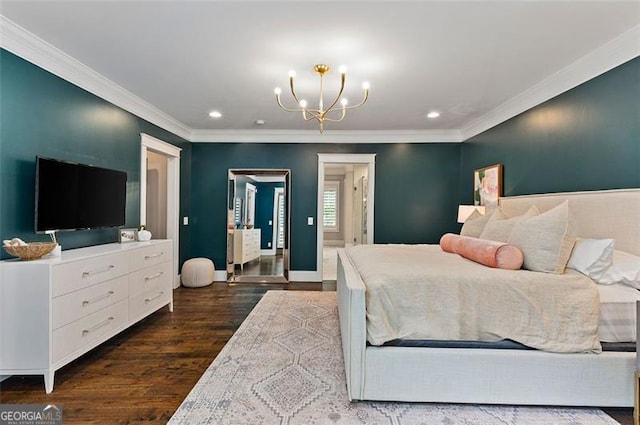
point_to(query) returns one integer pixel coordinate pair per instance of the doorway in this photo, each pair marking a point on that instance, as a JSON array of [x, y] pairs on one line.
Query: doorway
[[160, 193], [345, 206], [258, 226]]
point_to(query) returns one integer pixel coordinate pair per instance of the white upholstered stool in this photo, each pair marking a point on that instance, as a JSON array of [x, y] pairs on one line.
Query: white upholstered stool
[[197, 272]]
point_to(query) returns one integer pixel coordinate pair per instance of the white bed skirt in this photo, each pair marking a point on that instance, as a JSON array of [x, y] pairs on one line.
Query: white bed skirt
[[498, 376], [525, 377]]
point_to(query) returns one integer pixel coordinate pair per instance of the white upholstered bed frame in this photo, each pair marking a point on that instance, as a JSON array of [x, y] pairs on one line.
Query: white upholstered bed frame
[[527, 377]]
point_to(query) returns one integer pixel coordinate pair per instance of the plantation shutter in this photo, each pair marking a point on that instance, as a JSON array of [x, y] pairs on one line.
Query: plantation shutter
[[330, 212]]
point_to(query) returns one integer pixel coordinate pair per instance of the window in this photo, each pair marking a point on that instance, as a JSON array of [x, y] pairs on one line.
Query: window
[[331, 206], [280, 240]]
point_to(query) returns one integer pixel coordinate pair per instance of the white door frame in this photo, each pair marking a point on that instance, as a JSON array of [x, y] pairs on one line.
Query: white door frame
[[326, 158], [150, 143]]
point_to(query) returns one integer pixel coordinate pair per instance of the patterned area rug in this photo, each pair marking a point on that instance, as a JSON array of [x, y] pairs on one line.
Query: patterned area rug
[[284, 366]]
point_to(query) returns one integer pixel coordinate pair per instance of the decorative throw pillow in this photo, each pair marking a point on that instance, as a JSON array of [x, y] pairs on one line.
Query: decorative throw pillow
[[474, 224], [625, 268], [499, 227], [546, 240], [592, 257], [489, 253]]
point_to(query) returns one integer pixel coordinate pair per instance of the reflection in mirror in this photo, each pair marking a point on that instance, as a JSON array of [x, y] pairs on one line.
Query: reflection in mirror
[[258, 225]]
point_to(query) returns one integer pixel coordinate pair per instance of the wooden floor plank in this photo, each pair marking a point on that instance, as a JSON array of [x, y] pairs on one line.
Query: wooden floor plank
[[143, 374]]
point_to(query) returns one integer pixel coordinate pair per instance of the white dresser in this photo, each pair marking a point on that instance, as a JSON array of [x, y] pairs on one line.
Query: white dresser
[[53, 310], [246, 246]]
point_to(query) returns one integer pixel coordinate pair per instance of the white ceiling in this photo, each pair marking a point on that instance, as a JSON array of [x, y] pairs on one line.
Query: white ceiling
[[472, 61]]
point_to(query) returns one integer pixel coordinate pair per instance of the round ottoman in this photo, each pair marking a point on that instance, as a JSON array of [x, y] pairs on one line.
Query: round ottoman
[[197, 272]]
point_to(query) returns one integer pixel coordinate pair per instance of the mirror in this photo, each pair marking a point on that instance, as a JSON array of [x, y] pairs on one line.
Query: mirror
[[258, 225]]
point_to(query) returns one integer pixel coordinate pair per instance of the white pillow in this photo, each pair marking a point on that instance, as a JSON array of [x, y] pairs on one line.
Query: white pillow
[[546, 240], [624, 269], [498, 227], [592, 257], [474, 224]]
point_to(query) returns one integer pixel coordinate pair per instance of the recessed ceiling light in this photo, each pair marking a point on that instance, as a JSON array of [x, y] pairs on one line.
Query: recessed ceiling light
[[260, 122], [433, 114], [215, 114]]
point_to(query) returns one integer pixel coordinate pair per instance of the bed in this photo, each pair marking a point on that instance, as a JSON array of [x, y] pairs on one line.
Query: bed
[[488, 375]]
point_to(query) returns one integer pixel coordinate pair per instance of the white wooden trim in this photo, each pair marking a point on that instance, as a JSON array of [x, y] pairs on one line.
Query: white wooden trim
[[22, 43], [220, 276], [328, 158], [329, 136], [158, 145], [614, 53], [305, 276], [173, 191], [26, 45]]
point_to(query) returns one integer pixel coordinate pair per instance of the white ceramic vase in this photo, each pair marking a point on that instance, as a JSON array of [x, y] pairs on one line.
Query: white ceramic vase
[[144, 235]]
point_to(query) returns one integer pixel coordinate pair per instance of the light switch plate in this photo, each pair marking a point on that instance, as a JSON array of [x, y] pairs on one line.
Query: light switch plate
[[185, 221], [310, 221]]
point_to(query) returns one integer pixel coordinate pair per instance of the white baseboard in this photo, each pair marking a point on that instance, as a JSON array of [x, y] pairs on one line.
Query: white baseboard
[[294, 276], [220, 276], [270, 252], [304, 276], [329, 242]]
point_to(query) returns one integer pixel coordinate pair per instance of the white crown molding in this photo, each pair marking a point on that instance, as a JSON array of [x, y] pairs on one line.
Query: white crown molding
[[22, 43], [311, 136], [614, 53]]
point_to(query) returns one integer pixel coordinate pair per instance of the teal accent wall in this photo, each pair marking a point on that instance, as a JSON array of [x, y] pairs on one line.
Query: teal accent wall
[[44, 115], [587, 138], [415, 192], [264, 212]]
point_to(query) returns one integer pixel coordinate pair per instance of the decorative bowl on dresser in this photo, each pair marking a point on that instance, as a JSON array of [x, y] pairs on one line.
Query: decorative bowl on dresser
[[30, 251]]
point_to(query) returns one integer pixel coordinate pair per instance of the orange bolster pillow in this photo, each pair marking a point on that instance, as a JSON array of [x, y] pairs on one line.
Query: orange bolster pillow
[[490, 253]]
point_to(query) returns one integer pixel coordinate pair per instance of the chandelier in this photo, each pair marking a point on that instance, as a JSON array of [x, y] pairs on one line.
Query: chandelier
[[335, 112]]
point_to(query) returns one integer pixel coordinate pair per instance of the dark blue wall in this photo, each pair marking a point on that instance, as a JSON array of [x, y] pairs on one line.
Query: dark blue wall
[[44, 115], [415, 195], [264, 212], [585, 139]]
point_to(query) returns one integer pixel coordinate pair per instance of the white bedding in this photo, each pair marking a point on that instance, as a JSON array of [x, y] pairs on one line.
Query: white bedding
[[617, 313], [421, 292]]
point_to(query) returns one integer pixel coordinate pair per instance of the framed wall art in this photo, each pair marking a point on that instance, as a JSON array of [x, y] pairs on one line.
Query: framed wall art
[[127, 235], [487, 186]]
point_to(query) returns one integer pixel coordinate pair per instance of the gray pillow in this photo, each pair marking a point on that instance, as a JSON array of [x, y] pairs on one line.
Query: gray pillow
[[474, 224], [499, 227], [545, 240]]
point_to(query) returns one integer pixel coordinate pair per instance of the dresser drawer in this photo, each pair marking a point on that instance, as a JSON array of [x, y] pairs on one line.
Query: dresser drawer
[[75, 305], [146, 302], [69, 277], [150, 255], [99, 325], [152, 278]]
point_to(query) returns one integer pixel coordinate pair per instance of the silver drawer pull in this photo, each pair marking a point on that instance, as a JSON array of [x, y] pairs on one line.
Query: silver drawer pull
[[101, 297], [155, 276], [102, 270], [147, 300], [150, 256], [96, 327]]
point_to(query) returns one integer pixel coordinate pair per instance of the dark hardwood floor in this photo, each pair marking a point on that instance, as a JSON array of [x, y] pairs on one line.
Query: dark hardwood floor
[[271, 265], [143, 374]]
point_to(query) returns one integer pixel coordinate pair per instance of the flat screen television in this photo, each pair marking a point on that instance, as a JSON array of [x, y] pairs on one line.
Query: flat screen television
[[72, 196]]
